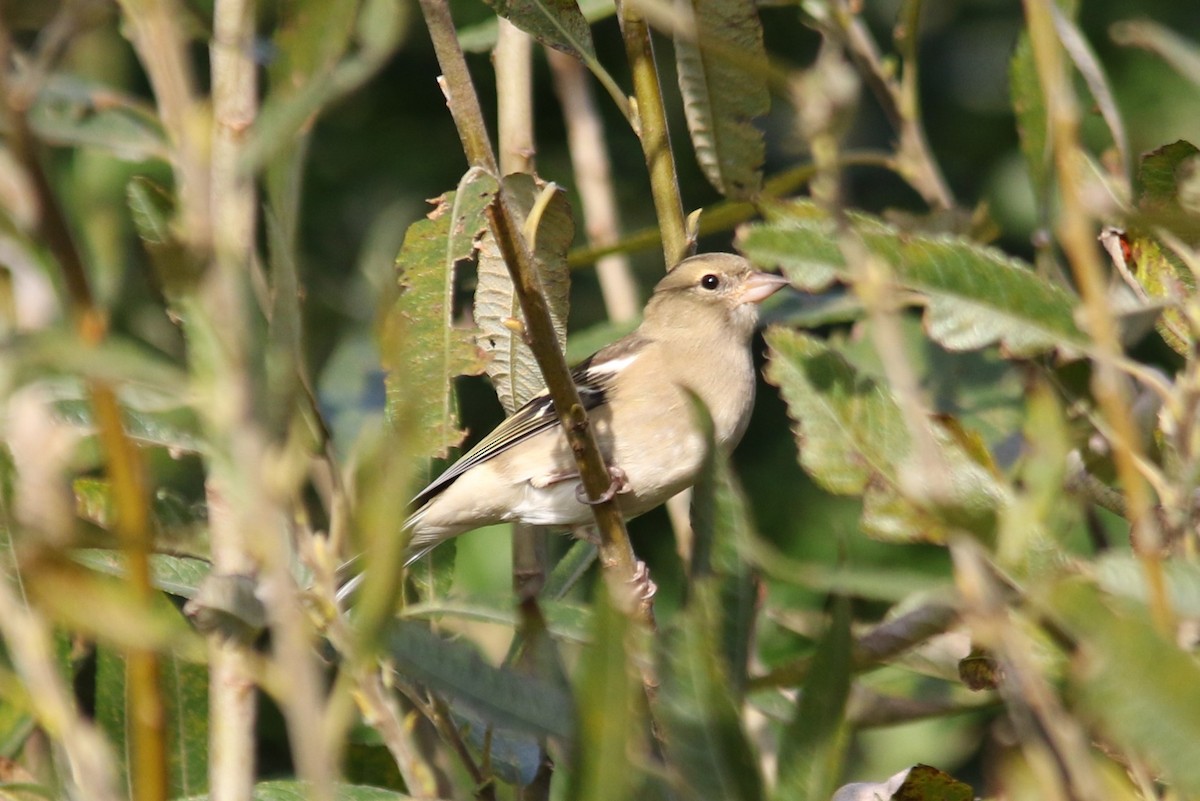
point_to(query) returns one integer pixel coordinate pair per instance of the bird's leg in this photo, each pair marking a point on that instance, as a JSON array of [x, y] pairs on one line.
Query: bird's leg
[[618, 485]]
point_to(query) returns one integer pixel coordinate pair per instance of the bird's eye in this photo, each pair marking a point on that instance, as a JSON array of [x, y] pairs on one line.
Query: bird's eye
[[710, 281]]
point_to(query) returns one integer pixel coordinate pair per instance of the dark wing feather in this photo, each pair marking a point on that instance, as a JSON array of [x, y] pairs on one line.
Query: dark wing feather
[[535, 416]]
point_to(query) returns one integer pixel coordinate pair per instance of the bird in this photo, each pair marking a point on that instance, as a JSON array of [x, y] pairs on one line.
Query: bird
[[694, 340]]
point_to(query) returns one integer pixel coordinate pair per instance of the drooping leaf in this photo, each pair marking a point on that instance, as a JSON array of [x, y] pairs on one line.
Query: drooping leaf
[[1118, 650], [853, 441], [814, 743], [974, 295], [497, 695], [697, 709], [421, 348], [511, 364], [555, 23], [722, 77]]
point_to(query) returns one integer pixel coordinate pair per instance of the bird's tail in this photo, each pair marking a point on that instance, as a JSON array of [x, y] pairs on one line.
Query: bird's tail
[[352, 572]]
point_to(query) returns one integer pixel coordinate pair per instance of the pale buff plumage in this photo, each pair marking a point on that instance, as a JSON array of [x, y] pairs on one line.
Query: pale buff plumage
[[694, 338]]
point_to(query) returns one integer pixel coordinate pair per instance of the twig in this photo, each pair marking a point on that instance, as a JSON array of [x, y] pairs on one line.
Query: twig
[[899, 101], [884, 642], [651, 128], [1078, 239]]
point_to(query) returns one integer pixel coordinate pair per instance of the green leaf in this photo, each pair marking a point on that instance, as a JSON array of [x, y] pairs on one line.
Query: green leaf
[[722, 77], [607, 693], [974, 295], [555, 23], [499, 696], [180, 576], [814, 743], [72, 111], [511, 365], [421, 348], [697, 709], [1137, 685], [185, 697], [853, 441], [566, 621]]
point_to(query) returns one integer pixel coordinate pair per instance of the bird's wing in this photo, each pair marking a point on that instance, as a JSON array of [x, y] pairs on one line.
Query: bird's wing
[[593, 378]]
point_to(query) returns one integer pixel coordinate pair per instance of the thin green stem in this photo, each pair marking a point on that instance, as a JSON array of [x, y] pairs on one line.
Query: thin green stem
[[652, 129]]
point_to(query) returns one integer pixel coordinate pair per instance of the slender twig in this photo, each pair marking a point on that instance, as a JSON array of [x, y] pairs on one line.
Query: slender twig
[[727, 214], [652, 130], [898, 99], [882, 643], [233, 698], [122, 459], [1078, 238], [157, 34]]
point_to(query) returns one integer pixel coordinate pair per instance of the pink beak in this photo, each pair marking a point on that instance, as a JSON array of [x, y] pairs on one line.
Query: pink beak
[[760, 286]]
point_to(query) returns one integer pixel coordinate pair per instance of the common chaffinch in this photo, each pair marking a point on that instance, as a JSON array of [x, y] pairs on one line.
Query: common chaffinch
[[694, 337]]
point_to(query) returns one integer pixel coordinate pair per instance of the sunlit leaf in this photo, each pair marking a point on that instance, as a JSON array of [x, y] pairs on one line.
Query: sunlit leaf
[[422, 348], [974, 295], [853, 441], [180, 576], [511, 365], [722, 76]]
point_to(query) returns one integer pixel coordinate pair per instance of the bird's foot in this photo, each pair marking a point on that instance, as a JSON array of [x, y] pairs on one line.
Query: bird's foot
[[616, 487], [643, 586]]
